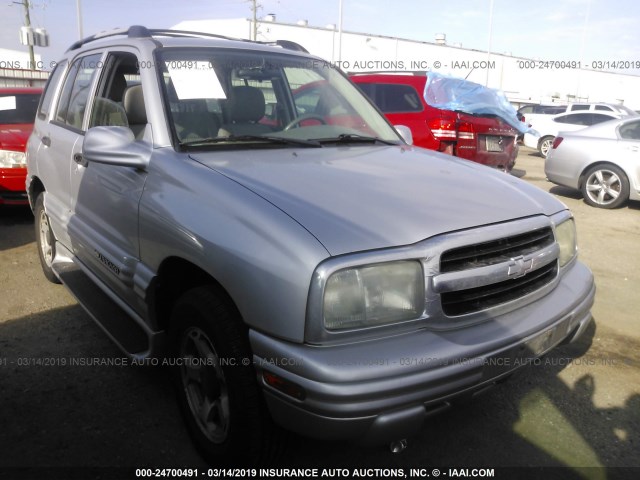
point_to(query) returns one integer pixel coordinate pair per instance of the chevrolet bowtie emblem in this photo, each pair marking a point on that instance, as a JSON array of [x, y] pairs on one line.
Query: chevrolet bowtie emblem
[[519, 267]]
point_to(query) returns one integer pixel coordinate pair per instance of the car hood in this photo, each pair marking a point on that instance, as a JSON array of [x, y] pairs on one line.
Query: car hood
[[371, 197], [14, 137]]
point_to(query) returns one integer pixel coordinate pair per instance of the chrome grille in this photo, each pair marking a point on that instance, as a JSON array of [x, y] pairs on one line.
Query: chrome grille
[[471, 300], [496, 251], [477, 277]]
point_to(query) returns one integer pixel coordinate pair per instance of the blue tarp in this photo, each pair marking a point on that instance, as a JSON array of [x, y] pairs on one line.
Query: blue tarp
[[459, 95]]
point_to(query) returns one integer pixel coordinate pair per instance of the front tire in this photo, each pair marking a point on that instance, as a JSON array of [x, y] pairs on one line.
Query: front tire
[[544, 147], [45, 240], [605, 186], [216, 384]]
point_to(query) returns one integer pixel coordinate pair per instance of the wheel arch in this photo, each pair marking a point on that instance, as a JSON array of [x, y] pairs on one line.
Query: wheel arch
[[543, 138], [586, 168], [36, 187], [175, 277]]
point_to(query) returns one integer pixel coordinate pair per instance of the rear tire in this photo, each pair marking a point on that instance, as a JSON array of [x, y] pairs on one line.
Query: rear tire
[[545, 144], [45, 240], [216, 384], [605, 186]]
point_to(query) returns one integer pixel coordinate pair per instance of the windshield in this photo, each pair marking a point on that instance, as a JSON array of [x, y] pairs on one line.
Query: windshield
[[247, 98], [18, 109]]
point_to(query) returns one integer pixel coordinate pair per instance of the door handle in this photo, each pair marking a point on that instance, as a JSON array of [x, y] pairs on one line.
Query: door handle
[[46, 141]]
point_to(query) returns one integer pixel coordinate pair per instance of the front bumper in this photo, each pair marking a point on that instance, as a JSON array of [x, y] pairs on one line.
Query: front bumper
[[380, 391]]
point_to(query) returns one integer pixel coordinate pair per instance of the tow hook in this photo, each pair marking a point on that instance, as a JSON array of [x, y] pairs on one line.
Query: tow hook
[[398, 446]]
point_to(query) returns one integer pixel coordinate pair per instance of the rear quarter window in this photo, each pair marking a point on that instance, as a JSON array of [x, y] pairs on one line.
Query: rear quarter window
[[599, 118], [575, 108], [575, 119]]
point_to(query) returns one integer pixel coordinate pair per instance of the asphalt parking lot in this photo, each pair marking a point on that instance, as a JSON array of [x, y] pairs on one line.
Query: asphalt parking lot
[[579, 407]]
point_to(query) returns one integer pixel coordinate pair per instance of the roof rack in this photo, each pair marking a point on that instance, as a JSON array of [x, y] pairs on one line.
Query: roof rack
[[138, 31], [288, 44]]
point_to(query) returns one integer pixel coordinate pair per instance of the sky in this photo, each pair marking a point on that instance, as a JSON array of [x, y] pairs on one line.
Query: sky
[[544, 29]]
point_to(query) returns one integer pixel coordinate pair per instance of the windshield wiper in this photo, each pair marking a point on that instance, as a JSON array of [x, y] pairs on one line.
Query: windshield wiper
[[355, 138], [251, 138]]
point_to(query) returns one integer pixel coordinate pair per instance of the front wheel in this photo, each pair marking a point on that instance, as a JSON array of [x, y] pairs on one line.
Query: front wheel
[[605, 186], [544, 147], [45, 240], [216, 384]]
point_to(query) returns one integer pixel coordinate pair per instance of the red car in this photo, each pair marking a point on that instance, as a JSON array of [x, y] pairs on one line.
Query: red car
[[482, 139], [18, 108]]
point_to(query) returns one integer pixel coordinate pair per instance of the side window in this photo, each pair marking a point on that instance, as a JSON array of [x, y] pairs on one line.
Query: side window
[[599, 118], [75, 93], [120, 74], [368, 89], [575, 119], [606, 108], [50, 89], [630, 131], [576, 107], [398, 98], [564, 119], [553, 110]]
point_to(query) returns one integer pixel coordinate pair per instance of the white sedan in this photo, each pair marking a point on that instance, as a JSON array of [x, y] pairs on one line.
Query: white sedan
[[548, 126], [602, 161]]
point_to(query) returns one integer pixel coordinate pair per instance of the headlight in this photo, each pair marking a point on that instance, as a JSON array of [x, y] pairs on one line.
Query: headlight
[[567, 240], [10, 159], [373, 295]]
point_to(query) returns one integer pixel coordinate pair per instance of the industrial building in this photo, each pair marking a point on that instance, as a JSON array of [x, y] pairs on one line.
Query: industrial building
[[16, 70], [523, 80]]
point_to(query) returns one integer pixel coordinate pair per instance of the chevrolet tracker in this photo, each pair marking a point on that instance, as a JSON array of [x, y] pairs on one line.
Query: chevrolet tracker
[[300, 271]]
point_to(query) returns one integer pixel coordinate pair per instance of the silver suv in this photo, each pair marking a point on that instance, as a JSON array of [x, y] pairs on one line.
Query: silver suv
[[297, 271]]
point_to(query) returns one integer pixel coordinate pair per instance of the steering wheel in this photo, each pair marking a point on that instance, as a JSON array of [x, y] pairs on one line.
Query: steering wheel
[[302, 118]]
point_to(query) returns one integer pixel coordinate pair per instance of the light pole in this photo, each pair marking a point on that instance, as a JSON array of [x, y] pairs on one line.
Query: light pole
[[486, 83], [340, 32], [582, 44], [27, 23], [79, 13]]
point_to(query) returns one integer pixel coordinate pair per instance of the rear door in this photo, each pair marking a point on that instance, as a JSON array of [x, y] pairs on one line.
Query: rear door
[[61, 138]]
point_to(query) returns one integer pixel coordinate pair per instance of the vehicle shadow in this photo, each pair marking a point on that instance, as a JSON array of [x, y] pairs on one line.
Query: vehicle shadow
[[633, 205], [533, 420], [576, 195], [20, 219], [70, 398], [518, 172], [565, 192]]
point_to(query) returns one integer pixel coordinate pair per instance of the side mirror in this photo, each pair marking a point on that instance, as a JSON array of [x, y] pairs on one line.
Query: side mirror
[[405, 133], [115, 146]]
